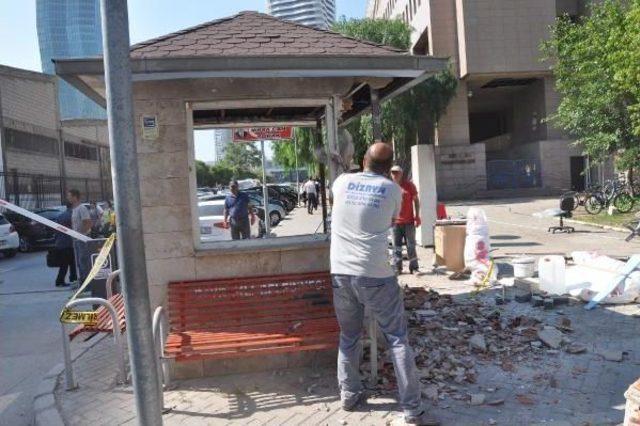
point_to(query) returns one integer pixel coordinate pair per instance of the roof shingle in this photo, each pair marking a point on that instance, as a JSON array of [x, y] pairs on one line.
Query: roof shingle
[[255, 34]]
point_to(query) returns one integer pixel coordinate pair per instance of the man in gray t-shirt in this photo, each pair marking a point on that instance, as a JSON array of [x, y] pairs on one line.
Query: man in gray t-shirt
[[80, 222], [364, 208]]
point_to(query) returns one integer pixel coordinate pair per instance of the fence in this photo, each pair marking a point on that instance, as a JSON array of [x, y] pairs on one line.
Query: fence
[[513, 174], [36, 191]]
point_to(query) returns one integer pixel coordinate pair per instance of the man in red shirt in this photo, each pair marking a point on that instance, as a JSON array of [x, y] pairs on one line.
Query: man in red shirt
[[406, 222]]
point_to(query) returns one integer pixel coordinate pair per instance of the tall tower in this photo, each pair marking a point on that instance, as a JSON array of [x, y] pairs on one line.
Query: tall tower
[[314, 13], [70, 29]]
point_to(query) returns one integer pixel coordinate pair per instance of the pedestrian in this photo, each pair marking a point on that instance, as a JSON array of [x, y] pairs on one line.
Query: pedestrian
[[236, 213], [95, 213], [303, 193], [64, 250], [312, 200], [364, 207], [80, 222], [407, 221]]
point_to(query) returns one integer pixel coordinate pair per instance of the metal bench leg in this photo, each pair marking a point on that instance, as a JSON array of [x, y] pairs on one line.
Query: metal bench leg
[[373, 355], [162, 371], [70, 382]]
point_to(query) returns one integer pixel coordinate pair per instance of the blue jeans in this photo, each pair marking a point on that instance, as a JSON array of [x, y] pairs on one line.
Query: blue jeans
[[408, 233], [351, 295]]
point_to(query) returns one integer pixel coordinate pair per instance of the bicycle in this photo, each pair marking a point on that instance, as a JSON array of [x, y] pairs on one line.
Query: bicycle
[[612, 193]]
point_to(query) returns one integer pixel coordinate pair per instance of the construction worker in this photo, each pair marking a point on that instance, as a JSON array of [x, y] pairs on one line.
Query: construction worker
[[406, 222], [364, 208]]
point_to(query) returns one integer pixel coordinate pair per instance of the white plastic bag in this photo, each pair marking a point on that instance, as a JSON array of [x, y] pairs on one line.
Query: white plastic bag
[[477, 247]]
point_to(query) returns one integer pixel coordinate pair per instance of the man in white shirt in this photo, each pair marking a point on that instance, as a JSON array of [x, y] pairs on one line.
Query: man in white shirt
[[364, 208], [312, 195]]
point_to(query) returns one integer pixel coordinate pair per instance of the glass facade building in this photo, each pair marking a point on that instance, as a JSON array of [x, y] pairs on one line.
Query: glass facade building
[[314, 13], [70, 29]]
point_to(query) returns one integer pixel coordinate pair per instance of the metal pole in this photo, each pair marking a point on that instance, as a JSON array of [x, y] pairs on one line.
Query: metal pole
[[126, 188], [295, 148], [323, 179], [265, 194]]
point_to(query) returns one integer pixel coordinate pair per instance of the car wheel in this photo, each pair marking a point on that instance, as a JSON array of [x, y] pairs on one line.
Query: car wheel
[[10, 253], [274, 218], [24, 246]]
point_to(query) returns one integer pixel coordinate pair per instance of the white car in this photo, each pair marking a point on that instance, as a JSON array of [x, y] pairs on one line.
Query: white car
[[276, 212], [9, 240], [211, 214]]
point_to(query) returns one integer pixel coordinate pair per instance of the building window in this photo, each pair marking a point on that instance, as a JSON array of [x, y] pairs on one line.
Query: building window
[[82, 152], [24, 141]]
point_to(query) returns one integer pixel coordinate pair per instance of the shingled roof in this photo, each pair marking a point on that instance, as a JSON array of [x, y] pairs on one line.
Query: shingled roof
[[255, 34]]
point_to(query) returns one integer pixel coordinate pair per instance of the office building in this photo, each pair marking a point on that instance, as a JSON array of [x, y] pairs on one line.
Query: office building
[[221, 138], [494, 135], [70, 29], [314, 13], [41, 155]]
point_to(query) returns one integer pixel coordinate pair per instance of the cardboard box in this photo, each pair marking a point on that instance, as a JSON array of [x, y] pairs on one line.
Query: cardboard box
[[449, 246]]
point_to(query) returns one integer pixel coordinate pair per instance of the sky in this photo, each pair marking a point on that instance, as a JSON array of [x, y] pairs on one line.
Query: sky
[[147, 19]]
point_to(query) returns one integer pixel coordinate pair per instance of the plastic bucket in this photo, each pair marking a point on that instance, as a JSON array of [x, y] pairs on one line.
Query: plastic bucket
[[523, 267]]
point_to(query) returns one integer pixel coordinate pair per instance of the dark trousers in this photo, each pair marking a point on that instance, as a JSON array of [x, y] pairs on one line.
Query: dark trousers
[[407, 232], [312, 204], [240, 228], [67, 263]]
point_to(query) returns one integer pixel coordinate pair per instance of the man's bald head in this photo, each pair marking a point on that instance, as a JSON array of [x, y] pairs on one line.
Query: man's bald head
[[379, 158]]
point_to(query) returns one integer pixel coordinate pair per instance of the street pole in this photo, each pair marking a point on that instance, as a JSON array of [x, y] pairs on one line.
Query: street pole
[[126, 188], [295, 148], [265, 193]]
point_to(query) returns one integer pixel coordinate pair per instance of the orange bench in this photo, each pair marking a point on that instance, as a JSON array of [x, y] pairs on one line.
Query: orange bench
[[242, 317]]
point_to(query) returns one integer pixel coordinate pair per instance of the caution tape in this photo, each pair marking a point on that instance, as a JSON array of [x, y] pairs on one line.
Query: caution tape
[[66, 315], [44, 221]]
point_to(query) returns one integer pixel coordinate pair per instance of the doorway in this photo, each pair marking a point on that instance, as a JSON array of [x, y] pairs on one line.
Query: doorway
[[577, 173]]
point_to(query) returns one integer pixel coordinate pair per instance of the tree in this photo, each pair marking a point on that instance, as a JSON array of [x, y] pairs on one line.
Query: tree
[[242, 158], [411, 117], [285, 155], [596, 63]]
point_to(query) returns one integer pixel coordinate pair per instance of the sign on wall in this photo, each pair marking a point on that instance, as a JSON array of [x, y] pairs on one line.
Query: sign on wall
[[149, 127], [252, 134]]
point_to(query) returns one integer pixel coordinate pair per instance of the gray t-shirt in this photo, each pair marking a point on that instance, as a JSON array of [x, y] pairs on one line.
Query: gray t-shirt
[[79, 214], [364, 206]]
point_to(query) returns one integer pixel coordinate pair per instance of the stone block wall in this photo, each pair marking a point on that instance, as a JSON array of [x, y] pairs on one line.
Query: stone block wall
[[555, 160], [461, 171], [165, 165]]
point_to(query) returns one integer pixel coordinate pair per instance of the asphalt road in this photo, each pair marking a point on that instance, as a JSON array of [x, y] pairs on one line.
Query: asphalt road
[[30, 342]]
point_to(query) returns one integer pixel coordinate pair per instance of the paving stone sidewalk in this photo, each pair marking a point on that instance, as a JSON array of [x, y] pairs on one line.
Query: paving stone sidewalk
[[560, 389]]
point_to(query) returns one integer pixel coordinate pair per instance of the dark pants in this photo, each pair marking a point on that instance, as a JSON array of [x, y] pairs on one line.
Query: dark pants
[[408, 233], [240, 228], [312, 204], [67, 263]]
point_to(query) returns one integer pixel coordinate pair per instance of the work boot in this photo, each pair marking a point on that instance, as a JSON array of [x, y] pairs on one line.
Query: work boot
[[423, 419], [351, 403]]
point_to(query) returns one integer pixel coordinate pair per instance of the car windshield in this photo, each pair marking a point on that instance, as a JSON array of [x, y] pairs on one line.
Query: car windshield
[[211, 210], [3, 221]]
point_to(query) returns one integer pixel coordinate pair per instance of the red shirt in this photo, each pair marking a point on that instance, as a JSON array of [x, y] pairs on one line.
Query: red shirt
[[409, 194]]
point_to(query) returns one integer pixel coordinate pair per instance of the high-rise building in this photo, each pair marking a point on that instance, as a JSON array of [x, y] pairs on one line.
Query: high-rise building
[[314, 13], [70, 29], [494, 135], [221, 138]]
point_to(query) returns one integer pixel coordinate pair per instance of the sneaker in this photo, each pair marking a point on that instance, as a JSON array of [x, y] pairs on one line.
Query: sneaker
[[62, 284], [351, 403], [423, 419]]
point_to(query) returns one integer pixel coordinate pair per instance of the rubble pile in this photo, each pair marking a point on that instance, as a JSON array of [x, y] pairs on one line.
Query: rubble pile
[[454, 338]]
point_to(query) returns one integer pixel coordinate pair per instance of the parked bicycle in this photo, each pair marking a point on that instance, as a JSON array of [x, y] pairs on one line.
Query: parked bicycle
[[613, 192]]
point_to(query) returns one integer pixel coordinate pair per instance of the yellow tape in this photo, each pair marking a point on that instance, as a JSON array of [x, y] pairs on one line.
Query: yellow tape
[[89, 318], [98, 264]]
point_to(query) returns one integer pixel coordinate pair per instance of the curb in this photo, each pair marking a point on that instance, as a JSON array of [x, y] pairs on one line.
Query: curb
[[46, 412], [597, 225]]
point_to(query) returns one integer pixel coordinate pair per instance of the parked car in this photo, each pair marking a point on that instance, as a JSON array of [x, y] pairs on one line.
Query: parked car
[[9, 240], [211, 215], [276, 211], [32, 234], [274, 197], [287, 192]]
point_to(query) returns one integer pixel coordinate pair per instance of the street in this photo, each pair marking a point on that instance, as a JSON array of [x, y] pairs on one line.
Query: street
[[29, 332]]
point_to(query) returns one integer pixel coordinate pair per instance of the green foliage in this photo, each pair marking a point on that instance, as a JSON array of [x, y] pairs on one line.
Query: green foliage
[[242, 158], [597, 70], [284, 151], [411, 117]]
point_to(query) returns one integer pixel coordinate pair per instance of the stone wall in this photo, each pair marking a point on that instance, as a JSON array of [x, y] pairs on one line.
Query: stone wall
[[461, 171], [165, 165]]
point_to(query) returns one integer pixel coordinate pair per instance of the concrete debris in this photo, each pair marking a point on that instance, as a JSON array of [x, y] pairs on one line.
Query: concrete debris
[[548, 303], [551, 337], [477, 342], [493, 422], [537, 301], [522, 297], [477, 399], [431, 392], [611, 355], [576, 348], [495, 402]]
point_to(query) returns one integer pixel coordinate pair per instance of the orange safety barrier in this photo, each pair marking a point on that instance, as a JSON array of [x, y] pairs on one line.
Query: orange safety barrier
[[241, 317]]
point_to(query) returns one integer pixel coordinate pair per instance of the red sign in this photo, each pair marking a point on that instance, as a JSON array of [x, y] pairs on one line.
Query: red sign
[[251, 134]]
